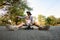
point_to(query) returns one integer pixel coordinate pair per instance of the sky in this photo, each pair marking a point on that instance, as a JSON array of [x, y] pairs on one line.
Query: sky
[[45, 7]]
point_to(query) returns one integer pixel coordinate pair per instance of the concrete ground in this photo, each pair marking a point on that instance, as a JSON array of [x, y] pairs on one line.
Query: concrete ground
[[52, 34]]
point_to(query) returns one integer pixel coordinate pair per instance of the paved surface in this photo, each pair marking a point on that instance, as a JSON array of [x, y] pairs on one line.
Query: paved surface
[[52, 34]]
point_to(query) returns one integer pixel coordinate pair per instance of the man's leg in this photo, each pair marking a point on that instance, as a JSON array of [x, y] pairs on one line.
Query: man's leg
[[42, 27], [20, 25], [35, 24]]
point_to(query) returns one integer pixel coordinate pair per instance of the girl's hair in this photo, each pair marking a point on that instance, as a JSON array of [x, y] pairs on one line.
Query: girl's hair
[[28, 13]]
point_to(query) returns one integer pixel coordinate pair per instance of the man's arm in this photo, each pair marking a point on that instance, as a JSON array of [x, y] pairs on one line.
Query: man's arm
[[21, 16]]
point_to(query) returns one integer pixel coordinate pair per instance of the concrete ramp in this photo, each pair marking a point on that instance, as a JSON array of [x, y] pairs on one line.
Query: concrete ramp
[[52, 34]]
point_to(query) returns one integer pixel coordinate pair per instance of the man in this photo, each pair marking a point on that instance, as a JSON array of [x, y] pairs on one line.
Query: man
[[28, 19]]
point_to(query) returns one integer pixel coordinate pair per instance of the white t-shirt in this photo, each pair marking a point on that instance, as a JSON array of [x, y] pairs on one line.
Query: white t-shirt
[[28, 21]]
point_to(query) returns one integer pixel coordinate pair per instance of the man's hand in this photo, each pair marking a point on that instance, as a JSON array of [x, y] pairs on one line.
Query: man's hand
[[17, 16]]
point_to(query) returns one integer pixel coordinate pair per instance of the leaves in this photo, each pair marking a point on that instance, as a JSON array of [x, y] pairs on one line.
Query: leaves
[[51, 20], [41, 20], [15, 8]]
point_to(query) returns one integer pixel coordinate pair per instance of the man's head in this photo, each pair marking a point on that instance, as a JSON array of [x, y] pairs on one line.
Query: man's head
[[28, 13]]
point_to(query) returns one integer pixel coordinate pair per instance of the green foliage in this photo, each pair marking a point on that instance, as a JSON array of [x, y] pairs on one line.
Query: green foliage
[[15, 8], [1, 2], [48, 20], [58, 20], [41, 17], [42, 20], [51, 20], [4, 19]]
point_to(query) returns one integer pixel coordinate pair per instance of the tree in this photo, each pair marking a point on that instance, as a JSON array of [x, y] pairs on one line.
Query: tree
[[41, 20], [58, 20], [15, 8], [51, 20]]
